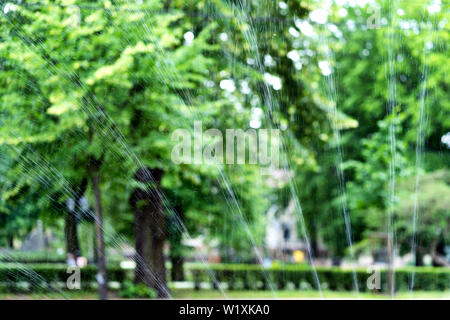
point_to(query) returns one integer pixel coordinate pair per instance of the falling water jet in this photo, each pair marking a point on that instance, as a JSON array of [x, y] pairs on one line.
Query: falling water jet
[[35, 278], [418, 164], [251, 39], [391, 242], [68, 190], [119, 138], [332, 95]]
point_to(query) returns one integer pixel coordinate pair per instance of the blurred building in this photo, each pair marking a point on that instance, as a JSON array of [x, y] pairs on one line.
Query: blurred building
[[282, 233]]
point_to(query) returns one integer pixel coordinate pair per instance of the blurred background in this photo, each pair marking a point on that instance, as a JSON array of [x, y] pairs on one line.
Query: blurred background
[[92, 205]]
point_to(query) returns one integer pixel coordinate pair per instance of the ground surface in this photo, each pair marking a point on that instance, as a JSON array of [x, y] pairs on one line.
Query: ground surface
[[210, 294]]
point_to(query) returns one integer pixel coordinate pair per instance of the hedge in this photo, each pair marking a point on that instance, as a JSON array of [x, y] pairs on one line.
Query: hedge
[[35, 277], [253, 277], [31, 257], [38, 257], [47, 277]]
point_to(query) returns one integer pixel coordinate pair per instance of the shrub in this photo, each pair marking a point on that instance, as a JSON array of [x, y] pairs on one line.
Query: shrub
[[139, 290], [254, 277], [31, 257], [42, 277]]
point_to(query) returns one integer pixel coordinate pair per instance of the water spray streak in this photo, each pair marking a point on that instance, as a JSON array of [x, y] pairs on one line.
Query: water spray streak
[[250, 37], [332, 96], [420, 139], [46, 171], [114, 132], [392, 89], [35, 279]]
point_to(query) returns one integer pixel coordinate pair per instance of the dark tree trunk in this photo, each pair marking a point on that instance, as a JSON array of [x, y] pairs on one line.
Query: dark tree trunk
[[419, 258], [336, 261], [158, 262], [142, 238], [158, 236], [102, 275], [11, 242], [314, 240], [71, 230], [176, 246], [73, 247], [311, 225], [94, 246], [177, 271], [438, 254], [150, 232]]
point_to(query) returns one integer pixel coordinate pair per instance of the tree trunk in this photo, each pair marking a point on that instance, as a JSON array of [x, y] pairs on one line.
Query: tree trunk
[[177, 271], [336, 261], [94, 246], [419, 258], [150, 233], [102, 275], [71, 230], [314, 239], [158, 236], [142, 239], [11, 242], [176, 246], [438, 255], [72, 244]]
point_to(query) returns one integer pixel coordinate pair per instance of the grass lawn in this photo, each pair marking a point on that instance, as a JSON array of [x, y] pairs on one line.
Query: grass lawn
[[288, 294], [211, 294]]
